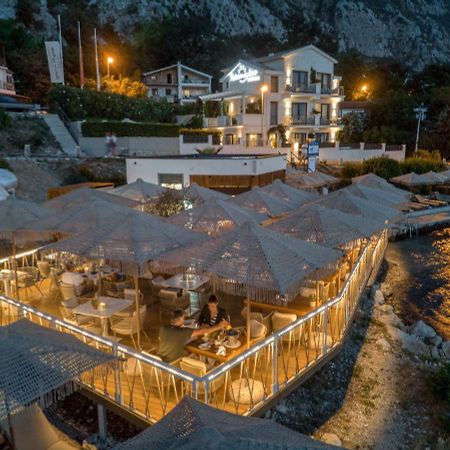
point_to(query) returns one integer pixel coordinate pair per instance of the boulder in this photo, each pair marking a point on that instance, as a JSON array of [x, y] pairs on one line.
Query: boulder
[[331, 438], [378, 298], [394, 333], [391, 319], [436, 340], [413, 344], [386, 309], [435, 352], [383, 344], [423, 331], [446, 349], [282, 408], [386, 289]]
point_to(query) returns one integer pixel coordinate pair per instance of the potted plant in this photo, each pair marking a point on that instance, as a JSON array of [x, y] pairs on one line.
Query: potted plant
[[312, 300]]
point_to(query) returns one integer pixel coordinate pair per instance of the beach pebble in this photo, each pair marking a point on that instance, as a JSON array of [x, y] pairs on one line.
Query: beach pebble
[[282, 408], [435, 352], [332, 439], [383, 344], [374, 289], [422, 330]]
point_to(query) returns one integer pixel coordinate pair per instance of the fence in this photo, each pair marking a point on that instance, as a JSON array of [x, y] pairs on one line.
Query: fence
[[144, 385]]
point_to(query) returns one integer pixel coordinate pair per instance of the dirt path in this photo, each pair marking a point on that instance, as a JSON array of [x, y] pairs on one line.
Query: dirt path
[[374, 395]]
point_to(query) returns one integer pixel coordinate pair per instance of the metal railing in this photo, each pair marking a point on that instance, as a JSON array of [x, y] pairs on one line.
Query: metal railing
[[68, 124], [150, 388]]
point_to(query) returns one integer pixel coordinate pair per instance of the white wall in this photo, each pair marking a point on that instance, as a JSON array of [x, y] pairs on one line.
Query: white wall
[[333, 155], [307, 59], [149, 168]]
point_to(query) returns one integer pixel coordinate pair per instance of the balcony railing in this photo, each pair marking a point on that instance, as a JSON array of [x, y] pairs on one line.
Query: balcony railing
[[193, 81], [150, 388]]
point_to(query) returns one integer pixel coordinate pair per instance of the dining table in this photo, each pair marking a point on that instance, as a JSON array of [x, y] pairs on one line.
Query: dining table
[[186, 282], [7, 275], [111, 306], [195, 347]]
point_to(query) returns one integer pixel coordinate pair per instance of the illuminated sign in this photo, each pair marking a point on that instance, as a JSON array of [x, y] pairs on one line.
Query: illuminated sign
[[244, 74]]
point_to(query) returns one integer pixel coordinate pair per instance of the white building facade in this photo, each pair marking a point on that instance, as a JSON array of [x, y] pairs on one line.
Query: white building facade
[[294, 93], [177, 83], [6, 81]]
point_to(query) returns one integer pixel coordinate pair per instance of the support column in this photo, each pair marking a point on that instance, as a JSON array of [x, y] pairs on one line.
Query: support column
[[102, 423]]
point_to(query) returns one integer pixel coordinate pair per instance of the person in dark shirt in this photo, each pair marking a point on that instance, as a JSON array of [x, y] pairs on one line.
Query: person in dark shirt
[[173, 337], [212, 314]]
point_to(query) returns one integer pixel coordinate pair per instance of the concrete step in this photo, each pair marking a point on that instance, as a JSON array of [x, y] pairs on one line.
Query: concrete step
[[62, 135]]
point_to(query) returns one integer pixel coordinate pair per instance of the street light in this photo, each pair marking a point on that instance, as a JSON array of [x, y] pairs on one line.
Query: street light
[[421, 113], [109, 60], [263, 88]]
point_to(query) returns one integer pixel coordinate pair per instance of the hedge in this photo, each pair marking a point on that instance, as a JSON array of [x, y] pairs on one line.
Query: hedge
[[87, 103], [142, 129]]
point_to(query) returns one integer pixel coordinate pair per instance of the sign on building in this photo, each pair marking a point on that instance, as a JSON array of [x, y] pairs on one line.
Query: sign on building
[[244, 74], [55, 64], [313, 152]]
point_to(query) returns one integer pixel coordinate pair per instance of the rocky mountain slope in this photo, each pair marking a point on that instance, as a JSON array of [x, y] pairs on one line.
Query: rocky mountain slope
[[414, 31]]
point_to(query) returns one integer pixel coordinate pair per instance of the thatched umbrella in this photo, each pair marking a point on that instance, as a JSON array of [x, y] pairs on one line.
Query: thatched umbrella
[[285, 192], [17, 219], [311, 180], [193, 425], [374, 181], [411, 179], [215, 217], [199, 194], [376, 195], [261, 202], [140, 191], [252, 261], [132, 242], [38, 363], [328, 227], [83, 195]]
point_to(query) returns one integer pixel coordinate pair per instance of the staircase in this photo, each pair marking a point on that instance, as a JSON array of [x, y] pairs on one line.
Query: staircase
[[61, 133]]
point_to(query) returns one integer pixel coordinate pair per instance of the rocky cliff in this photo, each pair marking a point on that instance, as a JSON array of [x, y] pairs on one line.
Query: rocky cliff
[[416, 32]]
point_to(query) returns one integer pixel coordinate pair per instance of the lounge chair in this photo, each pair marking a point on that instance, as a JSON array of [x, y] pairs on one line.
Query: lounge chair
[[427, 201]]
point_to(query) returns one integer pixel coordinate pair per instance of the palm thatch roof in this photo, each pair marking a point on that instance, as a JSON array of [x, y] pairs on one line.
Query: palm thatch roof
[[198, 194], [140, 191], [285, 192]]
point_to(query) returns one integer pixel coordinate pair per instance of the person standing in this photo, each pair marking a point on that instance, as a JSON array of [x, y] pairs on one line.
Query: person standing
[[108, 143], [113, 144]]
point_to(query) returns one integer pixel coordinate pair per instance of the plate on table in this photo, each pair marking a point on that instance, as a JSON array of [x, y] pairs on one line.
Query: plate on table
[[237, 344], [205, 346]]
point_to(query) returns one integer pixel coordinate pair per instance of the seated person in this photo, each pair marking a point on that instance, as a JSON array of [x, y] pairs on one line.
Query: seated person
[[173, 337], [73, 278], [211, 314]]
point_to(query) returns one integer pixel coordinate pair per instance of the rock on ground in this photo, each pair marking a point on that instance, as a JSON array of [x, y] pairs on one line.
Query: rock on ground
[[331, 438], [422, 330]]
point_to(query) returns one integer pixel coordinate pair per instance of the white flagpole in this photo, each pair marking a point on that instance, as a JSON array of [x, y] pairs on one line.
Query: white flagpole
[[61, 47], [97, 70]]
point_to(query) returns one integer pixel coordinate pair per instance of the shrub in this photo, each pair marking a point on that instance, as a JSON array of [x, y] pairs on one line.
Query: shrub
[[5, 164], [382, 166], [168, 203], [349, 170], [439, 383], [420, 165], [142, 129], [86, 103], [5, 120]]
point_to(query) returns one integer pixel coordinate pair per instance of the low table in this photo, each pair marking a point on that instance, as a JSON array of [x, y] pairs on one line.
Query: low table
[[113, 305]]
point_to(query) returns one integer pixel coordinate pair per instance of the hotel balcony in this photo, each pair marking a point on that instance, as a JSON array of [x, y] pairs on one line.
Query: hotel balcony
[[314, 121], [315, 89], [230, 121]]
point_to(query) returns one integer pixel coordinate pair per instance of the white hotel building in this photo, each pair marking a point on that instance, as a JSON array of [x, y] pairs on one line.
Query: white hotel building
[[298, 89]]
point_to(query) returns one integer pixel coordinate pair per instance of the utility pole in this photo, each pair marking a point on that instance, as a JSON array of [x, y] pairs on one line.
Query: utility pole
[[421, 113], [61, 47], [97, 70], [80, 55]]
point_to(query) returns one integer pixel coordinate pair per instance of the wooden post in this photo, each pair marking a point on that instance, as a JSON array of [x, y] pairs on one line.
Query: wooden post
[[138, 308], [15, 265], [248, 322]]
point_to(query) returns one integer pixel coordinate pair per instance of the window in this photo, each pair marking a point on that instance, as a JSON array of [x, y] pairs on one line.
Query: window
[[169, 78], [325, 81], [254, 140], [273, 113], [186, 93], [322, 137], [299, 113], [168, 91], [325, 110], [171, 180], [300, 137], [155, 92], [273, 84], [230, 139], [299, 79]]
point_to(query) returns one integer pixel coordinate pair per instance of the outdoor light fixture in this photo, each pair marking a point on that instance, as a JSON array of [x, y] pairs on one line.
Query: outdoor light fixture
[[109, 60]]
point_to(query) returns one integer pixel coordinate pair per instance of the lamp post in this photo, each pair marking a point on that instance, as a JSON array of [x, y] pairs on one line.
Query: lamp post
[[421, 112], [263, 89], [109, 60]]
